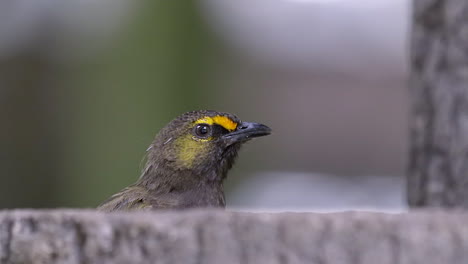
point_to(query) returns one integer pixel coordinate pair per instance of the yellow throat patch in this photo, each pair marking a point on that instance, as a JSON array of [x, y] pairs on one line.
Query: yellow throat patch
[[223, 121]]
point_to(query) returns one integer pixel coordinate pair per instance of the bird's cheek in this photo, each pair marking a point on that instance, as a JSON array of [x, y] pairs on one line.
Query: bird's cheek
[[190, 153]]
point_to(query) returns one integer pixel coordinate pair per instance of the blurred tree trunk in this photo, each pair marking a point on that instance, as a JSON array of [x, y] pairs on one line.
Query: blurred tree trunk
[[438, 168]]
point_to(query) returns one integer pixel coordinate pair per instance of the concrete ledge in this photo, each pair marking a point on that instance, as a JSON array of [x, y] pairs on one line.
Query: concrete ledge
[[211, 236]]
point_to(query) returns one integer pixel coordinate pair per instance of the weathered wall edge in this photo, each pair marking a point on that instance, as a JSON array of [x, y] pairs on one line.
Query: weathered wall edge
[[212, 236]]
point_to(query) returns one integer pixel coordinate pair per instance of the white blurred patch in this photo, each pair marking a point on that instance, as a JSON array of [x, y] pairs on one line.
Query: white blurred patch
[[292, 191], [314, 1], [355, 37]]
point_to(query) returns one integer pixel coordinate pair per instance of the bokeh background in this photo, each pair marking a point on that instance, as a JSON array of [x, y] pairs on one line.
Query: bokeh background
[[85, 85]]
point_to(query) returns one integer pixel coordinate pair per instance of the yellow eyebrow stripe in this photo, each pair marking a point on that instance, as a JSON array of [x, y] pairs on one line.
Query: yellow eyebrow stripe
[[223, 121]]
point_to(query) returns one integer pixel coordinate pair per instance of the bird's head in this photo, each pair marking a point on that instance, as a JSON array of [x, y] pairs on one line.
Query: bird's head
[[202, 142]]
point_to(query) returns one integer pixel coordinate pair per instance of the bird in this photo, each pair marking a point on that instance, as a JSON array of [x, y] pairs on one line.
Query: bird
[[187, 163]]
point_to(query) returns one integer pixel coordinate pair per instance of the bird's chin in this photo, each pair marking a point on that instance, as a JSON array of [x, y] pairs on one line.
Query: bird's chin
[[234, 142]]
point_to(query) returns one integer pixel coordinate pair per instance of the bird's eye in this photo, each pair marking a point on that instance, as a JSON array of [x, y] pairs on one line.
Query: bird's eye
[[202, 130]]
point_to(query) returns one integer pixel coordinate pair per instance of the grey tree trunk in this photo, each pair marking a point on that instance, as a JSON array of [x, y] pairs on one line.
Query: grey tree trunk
[[438, 167], [212, 237]]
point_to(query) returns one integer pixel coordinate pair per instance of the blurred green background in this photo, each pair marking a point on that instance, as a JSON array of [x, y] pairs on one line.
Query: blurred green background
[[107, 107], [85, 86]]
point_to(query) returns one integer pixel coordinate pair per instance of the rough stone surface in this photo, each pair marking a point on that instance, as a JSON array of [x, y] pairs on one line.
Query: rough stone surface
[[210, 236], [438, 166]]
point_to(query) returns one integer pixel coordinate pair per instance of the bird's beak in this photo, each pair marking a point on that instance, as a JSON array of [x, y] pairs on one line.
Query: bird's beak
[[246, 131]]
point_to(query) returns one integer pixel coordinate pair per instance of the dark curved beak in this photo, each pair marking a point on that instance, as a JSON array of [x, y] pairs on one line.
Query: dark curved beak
[[246, 131]]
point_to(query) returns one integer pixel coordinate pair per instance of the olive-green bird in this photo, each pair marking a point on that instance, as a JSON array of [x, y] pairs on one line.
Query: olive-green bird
[[187, 163]]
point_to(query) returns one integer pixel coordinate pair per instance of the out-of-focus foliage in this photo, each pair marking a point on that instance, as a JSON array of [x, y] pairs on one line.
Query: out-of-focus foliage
[[151, 73], [108, 102]]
